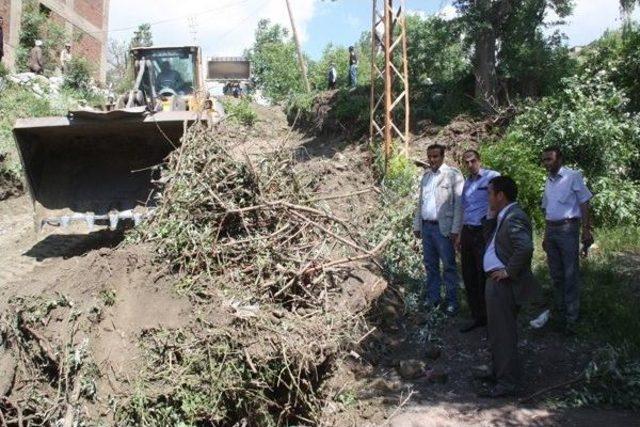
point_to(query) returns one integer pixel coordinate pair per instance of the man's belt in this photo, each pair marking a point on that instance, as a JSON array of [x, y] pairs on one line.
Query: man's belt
[[563, 221], [472, 227], [428, 221]]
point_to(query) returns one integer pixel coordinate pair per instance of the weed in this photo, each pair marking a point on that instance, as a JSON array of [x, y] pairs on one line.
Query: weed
[[108, 297], [240, 111]]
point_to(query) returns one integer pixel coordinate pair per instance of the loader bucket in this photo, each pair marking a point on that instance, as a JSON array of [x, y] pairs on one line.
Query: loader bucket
[[96, 167]]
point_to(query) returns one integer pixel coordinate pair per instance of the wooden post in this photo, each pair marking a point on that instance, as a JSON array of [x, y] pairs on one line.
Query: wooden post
[[303, 67]]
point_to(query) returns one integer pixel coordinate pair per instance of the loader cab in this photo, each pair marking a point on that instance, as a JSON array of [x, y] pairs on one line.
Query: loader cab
[[173, 71]]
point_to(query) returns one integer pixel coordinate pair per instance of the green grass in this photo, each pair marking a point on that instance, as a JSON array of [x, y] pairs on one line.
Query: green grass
[[610, 287]]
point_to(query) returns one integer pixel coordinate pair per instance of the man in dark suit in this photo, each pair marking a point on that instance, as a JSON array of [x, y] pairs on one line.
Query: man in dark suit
[[507, 262]]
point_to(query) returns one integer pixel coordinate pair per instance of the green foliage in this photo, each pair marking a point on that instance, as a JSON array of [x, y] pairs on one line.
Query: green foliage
[[439, 69], [240, 111], [36, 25], [617, 52], [339, 55], [587, 120], [142, 37], [517, 159], [16, 102], [401, 261], [78, 75], [274, 61], [3, 70]]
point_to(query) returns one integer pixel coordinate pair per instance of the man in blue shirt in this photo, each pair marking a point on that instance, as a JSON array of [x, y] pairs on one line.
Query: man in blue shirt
[[471, 243]]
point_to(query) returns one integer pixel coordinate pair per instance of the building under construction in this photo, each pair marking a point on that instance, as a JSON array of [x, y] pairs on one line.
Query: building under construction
[[86, 23]]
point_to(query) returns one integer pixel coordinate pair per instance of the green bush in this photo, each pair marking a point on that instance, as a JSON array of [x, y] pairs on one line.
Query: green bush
[[36, 25], [3, 70], [240, 111], [78, 75], [589, 122], [518, 160]]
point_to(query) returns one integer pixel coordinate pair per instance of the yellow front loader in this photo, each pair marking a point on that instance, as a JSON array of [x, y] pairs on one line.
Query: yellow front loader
[[98, 166]]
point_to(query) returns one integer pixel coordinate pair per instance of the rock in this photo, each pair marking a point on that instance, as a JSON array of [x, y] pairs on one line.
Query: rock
[[433, 352], [436, 376], [385, 386], [411, 369]]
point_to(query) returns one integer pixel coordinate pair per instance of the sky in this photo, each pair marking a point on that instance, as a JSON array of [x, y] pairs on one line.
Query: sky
[[226, 27]]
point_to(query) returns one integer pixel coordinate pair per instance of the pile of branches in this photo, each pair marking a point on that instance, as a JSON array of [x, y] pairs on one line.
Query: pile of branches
[[227, 221], [251, 242], [44, 380]]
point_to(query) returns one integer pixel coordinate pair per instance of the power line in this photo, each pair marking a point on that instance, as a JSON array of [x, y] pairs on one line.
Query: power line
[[165, 21]]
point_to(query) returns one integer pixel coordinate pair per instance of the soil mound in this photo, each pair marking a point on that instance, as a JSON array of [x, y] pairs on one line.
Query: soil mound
[[334, 112], [235, 306]]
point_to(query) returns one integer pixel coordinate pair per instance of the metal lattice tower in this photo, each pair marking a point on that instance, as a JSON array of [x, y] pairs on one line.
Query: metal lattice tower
[[389, 39]]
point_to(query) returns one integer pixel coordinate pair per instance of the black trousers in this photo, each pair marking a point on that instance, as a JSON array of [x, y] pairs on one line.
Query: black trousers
[[472, 242]]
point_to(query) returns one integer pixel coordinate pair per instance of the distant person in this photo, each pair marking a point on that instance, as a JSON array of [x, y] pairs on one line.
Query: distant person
[[353, 67], [332, 77], [437, 221], [475, 214], [510, 282], [1, 38], [65, 58], [566, 208], [36, 58]]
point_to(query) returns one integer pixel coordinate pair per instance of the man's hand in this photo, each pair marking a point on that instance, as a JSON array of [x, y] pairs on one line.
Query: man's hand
[[416, 234], [455, 238], [499, 275]]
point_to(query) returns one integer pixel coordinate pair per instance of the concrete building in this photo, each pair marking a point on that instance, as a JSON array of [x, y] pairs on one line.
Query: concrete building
[[86, 22]]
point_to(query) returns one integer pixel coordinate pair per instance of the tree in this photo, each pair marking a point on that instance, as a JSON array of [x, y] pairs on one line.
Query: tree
[[492, 26], [142, 37], [273, 57], [117, 71]]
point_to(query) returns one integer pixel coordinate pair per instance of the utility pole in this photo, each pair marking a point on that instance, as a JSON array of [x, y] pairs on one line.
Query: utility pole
[[384, 102], [303, 67]]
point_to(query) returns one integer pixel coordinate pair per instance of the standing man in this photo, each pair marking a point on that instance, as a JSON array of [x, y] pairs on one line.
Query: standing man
[[353, 67], [65, 58], [1, 39], [332, 77], [566, 207], [507, 262], [36, 59], [475, 208], [438, 220]]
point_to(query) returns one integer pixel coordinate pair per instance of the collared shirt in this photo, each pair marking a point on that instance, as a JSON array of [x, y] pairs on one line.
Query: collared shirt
[[475, 197], [491, 261], [429, 209], [563, 195]]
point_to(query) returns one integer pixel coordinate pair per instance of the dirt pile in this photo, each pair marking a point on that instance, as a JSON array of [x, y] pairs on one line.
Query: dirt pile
[[272, 286], [69, 341], [334, 112], [463, 133]]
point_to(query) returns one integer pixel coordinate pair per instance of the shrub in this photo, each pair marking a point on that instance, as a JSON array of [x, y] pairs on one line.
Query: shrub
[[518, 160], [589, 122], [240, 111], [78, 75]]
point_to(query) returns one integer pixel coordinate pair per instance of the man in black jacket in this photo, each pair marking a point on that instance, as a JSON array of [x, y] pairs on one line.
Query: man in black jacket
[[507, 262]]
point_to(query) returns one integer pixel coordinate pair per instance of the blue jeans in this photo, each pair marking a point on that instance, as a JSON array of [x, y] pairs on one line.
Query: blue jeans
[[436, 248], [353, 75], [563, 257]]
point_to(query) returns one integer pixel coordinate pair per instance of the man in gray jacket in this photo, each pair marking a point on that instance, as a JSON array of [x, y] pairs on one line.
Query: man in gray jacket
[[438, 220], [507, 262]]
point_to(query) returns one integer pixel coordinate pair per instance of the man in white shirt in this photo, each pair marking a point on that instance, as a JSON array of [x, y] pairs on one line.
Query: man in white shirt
[[566, 206], [438, 220], [65, 58]]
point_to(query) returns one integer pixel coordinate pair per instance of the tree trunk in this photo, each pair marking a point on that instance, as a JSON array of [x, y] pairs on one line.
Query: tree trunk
[[484, 68]]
